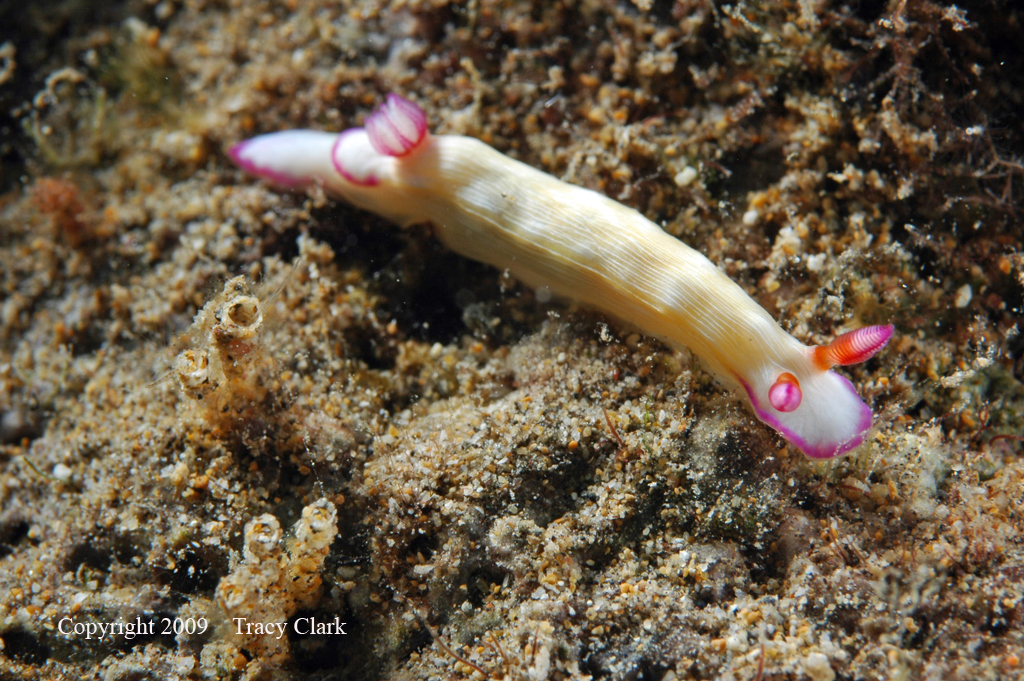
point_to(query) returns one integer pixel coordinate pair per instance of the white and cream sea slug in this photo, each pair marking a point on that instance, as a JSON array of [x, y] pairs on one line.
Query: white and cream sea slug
[[585, 247]]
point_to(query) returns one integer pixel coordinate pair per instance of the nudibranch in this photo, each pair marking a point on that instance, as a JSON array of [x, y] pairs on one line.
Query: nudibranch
[[585, 247]]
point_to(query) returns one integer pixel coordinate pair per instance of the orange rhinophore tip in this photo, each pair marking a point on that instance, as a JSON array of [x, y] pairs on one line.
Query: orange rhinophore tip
[[853, 347]]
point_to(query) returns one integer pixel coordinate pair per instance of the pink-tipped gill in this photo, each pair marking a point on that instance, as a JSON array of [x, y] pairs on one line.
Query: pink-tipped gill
[[397, 126]]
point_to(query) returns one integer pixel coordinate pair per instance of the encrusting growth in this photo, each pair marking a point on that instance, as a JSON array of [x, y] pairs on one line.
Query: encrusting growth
[[584, 246], [271, 585], [221, 373]]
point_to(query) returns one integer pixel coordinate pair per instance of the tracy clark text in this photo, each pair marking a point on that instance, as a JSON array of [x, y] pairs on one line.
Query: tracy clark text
[[140, 627], [301, 626]]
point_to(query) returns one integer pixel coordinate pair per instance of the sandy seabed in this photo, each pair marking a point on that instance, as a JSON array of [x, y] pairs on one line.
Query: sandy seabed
[[252, 434]]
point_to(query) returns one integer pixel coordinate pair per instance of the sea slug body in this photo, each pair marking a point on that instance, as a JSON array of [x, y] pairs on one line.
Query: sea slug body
[[583, 246]]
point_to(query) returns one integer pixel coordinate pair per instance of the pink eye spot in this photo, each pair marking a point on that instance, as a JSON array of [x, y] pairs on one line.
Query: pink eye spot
[[785, 394]]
